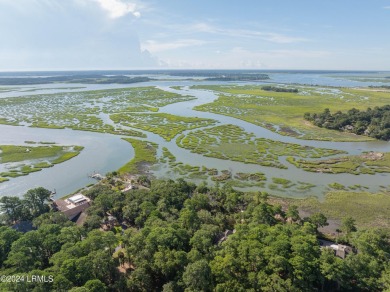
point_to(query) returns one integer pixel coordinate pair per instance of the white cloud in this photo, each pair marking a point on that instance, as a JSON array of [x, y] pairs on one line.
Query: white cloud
[[281, 39], [71, 34], [155, 46], [239, 51], [245, 33], [203, 27], [206, 28], [241, 58], [118, 8]]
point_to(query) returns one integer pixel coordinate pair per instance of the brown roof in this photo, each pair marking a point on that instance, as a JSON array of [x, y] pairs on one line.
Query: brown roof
[[71, 213], [80, 219]]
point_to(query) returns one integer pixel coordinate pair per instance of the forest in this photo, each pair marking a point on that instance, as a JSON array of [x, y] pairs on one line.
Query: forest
[[374, 122], [279, 89], [178, 236]]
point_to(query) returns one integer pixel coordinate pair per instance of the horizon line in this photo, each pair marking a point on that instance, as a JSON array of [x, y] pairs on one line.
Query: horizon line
[[188, 69]]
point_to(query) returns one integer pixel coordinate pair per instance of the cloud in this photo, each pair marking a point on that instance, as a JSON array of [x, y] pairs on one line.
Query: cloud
[[118, 8], [241, 58], [72, 34], [280, 53], [245, 33], [386, 7], [155, 46], [203, 28]]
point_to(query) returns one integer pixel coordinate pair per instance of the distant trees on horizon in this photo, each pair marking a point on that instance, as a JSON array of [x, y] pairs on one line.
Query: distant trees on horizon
[[279, 89]]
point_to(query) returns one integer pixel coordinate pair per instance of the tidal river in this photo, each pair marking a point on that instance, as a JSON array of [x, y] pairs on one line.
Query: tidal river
[[102, 153], [292, 173], [105, 152]]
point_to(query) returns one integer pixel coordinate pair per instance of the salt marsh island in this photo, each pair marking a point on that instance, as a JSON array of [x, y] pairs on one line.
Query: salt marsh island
[[250, 133]]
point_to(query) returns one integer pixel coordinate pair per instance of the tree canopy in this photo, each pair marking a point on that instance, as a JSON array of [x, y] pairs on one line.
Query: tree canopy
[[181, 237], [374, 123], [33, 204]]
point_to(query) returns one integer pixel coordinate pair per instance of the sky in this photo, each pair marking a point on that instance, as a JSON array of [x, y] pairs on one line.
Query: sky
[[194, 34]]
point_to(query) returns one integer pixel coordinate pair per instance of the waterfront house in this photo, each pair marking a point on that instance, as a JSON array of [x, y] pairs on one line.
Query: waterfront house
[[340, 250], [72, 207]]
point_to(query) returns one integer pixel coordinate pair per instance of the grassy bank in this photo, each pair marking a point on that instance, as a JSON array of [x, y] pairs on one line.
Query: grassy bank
[[367, 163], [144, 156], [22, 160], [368, 209], [11, 153], [285, 109]]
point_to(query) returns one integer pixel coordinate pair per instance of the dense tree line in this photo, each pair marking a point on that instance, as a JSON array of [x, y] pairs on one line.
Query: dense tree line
[[33, 204], [372, 122], [381, 86], [183, 237], [279, 89]]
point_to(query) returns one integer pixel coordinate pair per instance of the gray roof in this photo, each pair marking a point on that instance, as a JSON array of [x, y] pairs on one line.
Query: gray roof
[[24, 226]]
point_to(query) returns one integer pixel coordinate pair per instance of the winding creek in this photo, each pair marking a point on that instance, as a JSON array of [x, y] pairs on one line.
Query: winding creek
[[105, 152]]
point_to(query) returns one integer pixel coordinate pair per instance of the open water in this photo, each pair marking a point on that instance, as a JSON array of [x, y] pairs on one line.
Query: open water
[[105, 152]]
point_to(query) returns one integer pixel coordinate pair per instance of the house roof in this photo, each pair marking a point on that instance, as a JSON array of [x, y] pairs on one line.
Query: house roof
[[77, 199], [24, 226], [73, 212], [73, 206], [80, 218]]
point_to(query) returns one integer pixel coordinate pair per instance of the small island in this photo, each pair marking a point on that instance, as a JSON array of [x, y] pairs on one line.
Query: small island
[[22, 160]]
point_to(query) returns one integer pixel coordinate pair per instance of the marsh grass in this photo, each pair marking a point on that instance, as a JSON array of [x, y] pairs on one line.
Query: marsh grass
[[337, 186], [304, 186], [162, 124], [258, 176], [43, 164], [285, 183], [366, 163], [144, 156], [185, 171], [65, 157], [34, 158], [230, 142], [82, 110], [286, 110], [224, 176], [11, 153], [369, 210]]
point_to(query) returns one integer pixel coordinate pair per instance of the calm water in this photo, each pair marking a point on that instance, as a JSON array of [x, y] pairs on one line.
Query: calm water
[[320, 180], [104, 152]]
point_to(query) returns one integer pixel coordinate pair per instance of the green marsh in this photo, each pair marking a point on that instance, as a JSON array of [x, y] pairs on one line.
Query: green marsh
[[22, 160]]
